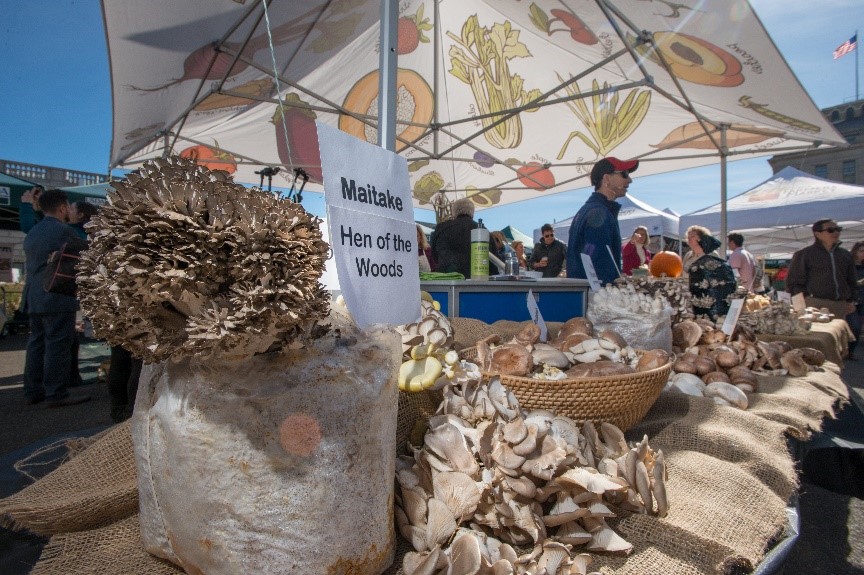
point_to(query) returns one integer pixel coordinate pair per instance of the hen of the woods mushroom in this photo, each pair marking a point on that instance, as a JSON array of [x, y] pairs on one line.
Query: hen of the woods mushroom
[[184, 262]]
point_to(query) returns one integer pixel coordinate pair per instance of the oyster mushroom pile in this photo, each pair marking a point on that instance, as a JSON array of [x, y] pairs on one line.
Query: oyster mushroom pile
[[490, 478], [675, 291], [183, 262], [576, 351], [776, 318], [726, 369]]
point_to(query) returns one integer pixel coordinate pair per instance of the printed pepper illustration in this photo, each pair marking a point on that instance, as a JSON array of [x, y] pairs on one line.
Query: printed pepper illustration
[[212, 62], [694, 59], [747, 102], [213, 158], [414, 104], [297, 141], [260, 88], [411, 32], [573, 24], [480, 59], [692, 135], [607, 123]]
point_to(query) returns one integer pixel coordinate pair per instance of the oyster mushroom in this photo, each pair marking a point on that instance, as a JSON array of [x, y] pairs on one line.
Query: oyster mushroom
[[417, 375], [564, 510], [464, 556], [425, 563], [459, 492]]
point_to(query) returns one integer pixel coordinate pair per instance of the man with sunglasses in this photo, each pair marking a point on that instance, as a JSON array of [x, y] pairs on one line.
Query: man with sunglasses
[[595, 230], [549, 254], [824, 272]]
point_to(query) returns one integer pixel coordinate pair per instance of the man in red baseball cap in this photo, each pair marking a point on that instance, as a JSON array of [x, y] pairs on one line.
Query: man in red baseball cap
[[595, 230]]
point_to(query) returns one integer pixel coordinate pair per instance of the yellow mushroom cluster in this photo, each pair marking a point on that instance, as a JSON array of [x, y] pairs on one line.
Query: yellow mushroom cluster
[[184, 262], [491, 478]]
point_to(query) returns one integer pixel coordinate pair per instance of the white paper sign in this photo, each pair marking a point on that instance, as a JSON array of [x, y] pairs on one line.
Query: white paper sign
[[735, 307], [784, 296], [372, 231], [798, 303], [590, 273], [536, 316]]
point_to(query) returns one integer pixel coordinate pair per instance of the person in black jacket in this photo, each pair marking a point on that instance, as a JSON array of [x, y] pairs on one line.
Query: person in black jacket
[[824, 272], [451, 240]]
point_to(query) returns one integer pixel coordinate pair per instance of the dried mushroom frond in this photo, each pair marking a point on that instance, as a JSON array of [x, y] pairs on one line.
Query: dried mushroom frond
[[183, 261]]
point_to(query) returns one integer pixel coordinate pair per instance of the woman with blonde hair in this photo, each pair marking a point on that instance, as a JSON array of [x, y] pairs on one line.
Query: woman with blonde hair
[[519, 248]]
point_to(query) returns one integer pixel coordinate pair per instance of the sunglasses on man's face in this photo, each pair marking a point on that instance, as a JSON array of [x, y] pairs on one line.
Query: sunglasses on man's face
[[832, 229], [549, 235], [623, 173]]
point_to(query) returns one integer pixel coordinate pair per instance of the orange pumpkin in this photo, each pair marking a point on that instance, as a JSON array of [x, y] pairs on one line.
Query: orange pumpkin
[[665, 264]]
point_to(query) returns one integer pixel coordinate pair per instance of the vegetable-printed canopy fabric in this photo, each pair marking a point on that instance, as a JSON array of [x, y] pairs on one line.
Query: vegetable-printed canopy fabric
[[499, 101]]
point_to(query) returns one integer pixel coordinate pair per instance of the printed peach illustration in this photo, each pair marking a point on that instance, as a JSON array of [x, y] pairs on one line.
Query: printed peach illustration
[[696, 60]]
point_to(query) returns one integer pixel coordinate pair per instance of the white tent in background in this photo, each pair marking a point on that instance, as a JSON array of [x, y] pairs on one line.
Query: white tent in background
[[776, 216], [633, 213]]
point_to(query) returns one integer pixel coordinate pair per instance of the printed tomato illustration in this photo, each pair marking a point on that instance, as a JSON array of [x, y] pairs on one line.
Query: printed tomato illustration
[[212, 158], [536, 176], [297, 141]]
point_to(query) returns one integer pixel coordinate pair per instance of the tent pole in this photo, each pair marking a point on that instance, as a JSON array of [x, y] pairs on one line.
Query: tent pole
[[387, 74], [723, 153]]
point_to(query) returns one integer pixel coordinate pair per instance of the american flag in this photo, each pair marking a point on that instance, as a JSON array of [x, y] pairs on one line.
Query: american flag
[[846, 46]]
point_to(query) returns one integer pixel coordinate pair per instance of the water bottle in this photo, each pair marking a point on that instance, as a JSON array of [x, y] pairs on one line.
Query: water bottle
[[480, 252], [511, 264]]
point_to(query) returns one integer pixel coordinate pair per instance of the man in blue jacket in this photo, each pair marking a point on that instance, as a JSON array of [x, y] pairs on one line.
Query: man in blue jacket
[[47, 367], [594, 230]]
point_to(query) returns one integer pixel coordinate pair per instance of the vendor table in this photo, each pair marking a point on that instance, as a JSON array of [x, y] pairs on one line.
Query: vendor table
[[831, 338], [558, 299]]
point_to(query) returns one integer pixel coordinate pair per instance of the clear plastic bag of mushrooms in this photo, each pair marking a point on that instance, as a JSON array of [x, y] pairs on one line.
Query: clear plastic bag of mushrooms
[[264, 427], [643, 320]]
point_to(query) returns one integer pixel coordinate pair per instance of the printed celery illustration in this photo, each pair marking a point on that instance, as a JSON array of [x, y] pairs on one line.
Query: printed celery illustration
[[607, 124], [480, 59]]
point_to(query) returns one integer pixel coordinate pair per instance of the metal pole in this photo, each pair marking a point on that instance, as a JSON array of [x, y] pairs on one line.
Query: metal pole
[[387, 74], [723, 154]]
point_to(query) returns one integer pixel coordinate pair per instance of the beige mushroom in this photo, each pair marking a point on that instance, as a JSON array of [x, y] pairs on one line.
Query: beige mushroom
[[653, 359], [658, 484], [575, 325], [613, 336], [794, 363], [464, 555], [812, 356], [716, 376], [686, 334], [459, 492], [572, 533], [564, 510], [554, 555], [528, 335], [440, 524], [607, 540], [511, 359], [421, 563], [727, 392]]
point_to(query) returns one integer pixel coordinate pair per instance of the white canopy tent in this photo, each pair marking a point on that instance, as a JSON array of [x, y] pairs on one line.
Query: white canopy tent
[[776, 216], [634, 212], [498, 101]]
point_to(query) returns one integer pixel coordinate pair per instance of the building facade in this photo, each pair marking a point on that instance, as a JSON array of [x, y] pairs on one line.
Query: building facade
[[838, 164]]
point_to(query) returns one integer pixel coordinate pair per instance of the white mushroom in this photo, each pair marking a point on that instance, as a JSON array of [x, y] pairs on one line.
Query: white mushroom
[[728, 393]]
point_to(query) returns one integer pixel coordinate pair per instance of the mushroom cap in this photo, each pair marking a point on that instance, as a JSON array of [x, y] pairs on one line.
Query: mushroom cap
[[652, 360], [686, 334], [511, 359]]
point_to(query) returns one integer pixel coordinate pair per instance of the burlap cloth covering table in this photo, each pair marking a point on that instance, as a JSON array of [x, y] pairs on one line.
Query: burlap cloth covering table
[[831, 338], [730, 479]]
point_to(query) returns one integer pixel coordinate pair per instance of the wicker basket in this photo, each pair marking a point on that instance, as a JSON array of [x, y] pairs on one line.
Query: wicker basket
[[622, 400]]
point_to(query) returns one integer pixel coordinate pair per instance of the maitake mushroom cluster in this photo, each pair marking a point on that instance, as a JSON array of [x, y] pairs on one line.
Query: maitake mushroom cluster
[[711, 364], [183, 262], [491, 478], [675, 291], [777, 318]]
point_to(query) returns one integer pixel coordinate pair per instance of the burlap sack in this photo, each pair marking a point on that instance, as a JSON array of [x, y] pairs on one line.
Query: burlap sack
[[730, 478]]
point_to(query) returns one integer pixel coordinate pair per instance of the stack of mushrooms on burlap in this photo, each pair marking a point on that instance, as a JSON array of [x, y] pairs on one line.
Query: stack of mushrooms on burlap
[[497, 489], [262, 413]]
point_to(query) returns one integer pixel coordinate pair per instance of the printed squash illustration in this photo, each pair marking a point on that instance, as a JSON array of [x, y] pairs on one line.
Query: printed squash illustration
[[483, 198], [414, 103], [212, 158], [696, 60], [258, 88], [692, 135], [666, 264]]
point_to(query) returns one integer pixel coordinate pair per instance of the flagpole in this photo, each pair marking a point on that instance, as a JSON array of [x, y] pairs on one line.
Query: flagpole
[[856, 65]]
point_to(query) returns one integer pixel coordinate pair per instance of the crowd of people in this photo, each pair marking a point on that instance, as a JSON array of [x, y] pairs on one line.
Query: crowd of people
[[51, 222]]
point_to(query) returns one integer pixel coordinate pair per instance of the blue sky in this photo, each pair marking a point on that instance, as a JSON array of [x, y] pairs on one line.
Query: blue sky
[[55, 99]]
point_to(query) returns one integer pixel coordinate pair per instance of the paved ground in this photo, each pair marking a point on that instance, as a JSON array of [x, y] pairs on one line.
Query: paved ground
[[831, 540]]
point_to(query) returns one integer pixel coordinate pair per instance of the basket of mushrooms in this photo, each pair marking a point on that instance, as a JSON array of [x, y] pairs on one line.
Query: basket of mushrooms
[[584, 375]]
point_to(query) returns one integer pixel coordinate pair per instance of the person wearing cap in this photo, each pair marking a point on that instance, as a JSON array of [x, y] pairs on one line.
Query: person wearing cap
[[710, 279], [824, 272], [594, 230]]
